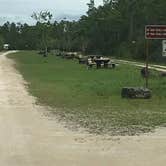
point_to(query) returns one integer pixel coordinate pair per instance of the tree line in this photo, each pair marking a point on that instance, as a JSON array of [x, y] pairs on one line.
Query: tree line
[[117, 29]]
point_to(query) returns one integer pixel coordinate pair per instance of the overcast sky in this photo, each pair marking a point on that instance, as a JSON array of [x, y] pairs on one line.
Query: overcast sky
[[21, 10]]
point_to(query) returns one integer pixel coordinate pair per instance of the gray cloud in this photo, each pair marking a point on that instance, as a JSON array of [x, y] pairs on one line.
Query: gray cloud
[[21, 10]]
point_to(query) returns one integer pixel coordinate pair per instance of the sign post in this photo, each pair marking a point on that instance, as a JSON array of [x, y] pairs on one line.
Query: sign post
[[153, 32], [147, 64], [164, 48]]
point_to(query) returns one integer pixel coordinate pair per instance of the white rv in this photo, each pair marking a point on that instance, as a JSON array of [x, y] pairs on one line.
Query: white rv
[[6, 46]]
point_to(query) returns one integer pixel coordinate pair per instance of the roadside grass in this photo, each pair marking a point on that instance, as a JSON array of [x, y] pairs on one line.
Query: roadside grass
[[92, 98]]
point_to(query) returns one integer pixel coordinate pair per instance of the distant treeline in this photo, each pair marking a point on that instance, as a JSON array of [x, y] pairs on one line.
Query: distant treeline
[[115, 29]]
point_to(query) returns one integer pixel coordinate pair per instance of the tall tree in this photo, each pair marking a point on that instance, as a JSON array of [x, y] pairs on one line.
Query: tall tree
[[43, 19]]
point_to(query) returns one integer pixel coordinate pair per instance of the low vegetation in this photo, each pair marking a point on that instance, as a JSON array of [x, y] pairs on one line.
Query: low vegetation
[[91, 98]]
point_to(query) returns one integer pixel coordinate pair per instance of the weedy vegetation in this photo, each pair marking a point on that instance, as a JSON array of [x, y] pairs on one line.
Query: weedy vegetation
[[92, 98]]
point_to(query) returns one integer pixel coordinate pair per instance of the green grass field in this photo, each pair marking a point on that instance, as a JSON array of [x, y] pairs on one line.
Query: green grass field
[[92, 98]]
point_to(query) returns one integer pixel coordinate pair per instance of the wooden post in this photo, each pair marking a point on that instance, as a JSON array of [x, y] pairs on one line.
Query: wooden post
[[147, 64]]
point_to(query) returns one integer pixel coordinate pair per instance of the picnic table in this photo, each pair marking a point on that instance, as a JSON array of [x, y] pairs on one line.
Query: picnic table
[[102, 61], [68, 55]]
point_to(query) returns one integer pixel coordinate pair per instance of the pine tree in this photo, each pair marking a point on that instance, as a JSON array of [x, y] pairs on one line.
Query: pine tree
[[106, 2], [91, 5]]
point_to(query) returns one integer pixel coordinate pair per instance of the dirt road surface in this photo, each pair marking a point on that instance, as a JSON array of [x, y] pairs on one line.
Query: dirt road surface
[[160, 68], [28, 138]]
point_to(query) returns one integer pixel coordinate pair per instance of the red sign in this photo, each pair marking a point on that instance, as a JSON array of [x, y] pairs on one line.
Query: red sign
[[155, 32]]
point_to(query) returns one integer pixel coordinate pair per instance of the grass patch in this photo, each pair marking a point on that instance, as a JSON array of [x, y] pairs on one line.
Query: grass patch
[[92, 98]]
